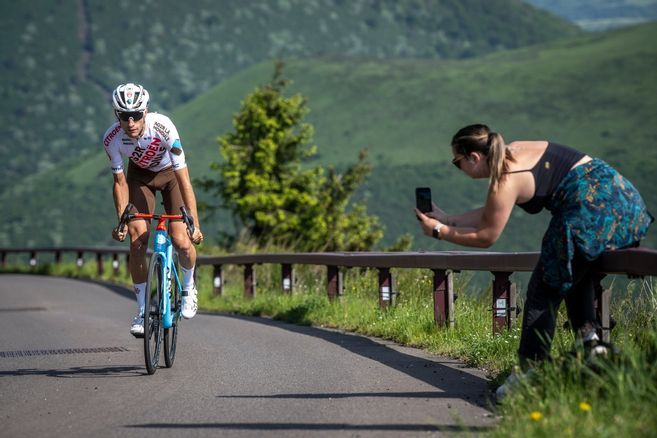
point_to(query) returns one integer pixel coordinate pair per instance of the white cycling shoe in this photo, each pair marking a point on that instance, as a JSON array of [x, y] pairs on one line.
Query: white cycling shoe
[[137, 326], [189, 302]]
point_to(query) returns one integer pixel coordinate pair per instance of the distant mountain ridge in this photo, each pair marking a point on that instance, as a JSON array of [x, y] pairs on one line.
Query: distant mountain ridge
[[60, 60], [597, 15]]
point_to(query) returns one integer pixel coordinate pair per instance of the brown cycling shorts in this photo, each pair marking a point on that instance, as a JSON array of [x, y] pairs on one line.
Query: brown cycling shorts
[[143, 184]]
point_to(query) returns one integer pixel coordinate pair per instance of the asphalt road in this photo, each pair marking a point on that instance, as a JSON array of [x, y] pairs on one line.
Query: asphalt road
[[69, 367]]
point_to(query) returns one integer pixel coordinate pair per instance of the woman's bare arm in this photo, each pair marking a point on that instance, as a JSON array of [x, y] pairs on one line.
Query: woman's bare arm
[[470, 219], [481, 233]]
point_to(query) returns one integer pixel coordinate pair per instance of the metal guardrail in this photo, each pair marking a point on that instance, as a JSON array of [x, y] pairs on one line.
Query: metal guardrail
[[635, 262]]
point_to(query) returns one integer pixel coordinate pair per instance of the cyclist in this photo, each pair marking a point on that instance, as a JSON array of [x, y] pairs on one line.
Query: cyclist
[[156, 163]]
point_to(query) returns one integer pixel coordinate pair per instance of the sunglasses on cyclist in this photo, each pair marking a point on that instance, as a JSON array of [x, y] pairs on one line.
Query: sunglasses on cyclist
[[126, 115]]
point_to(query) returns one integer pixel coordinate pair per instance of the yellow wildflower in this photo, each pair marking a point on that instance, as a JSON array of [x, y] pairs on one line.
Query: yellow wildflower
[[584, 407], [536, 416]]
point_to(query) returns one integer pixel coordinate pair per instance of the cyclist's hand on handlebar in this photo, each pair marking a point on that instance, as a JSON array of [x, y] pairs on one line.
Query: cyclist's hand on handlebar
[[197, 237], [119, 235]]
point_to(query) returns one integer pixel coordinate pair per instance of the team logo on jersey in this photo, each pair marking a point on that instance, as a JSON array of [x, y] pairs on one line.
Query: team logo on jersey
[[111, 135], [150, 156], [162, 130]]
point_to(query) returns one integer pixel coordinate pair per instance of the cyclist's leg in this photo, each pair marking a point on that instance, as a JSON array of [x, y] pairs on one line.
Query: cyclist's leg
[[177, 229], [142, 196], [186, 251]]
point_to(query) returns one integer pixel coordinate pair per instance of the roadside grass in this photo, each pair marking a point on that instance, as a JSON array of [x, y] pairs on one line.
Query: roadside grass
[[617, 396]]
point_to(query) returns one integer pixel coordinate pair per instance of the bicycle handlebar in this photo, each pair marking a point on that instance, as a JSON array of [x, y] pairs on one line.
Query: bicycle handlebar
[[185, 216]]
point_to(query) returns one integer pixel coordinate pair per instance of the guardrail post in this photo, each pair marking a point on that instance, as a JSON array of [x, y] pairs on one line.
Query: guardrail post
[[217, 281], [99, 264], [333, 282], [443, 297], [33, 259], [385, 287], [58, 257], [287, 276], [501, 302], [602, 307], [80, 261], [115, 264], [513, 304], [249, 281]]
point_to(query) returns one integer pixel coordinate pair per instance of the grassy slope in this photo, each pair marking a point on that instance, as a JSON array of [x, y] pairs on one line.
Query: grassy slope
[[596, 92]]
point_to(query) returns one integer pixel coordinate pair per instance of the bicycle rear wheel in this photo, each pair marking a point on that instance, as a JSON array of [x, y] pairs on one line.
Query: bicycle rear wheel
[[153, 314], [171, 334]]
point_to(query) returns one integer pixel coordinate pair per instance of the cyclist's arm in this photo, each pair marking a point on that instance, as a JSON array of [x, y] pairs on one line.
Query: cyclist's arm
[[120, 193], [187, 192]]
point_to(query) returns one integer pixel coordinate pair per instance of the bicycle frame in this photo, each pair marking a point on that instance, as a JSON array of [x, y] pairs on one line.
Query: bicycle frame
[[163, 247], [169, 286]]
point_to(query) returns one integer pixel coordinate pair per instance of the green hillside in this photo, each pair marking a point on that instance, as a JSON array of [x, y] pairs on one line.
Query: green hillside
[[60, 60], [597, 93]]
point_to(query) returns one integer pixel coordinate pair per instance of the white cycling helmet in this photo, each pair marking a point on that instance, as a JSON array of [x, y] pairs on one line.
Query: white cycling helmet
[[130, 97]]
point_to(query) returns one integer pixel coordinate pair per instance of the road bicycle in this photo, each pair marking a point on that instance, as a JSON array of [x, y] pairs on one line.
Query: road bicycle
[[163, 304]]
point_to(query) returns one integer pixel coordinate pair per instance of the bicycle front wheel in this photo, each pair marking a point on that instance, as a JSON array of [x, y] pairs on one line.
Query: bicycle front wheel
[[153, 314], [171, 334]]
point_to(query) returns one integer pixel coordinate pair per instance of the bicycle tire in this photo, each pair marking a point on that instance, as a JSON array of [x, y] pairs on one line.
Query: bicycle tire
[[153, 314], [171, 334]]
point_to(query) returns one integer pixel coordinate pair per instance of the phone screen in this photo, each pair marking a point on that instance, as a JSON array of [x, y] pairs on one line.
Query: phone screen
[[423, 199]]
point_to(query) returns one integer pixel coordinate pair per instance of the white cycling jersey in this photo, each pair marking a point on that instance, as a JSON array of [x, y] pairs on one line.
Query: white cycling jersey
[[158, 147]]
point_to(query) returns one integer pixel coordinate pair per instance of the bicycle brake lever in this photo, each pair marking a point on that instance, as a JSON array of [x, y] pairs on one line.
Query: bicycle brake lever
[[125, 217], [189, 221]]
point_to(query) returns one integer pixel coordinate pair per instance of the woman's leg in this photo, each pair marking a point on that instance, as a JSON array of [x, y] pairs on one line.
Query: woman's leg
[[580, 301], [539, 319]]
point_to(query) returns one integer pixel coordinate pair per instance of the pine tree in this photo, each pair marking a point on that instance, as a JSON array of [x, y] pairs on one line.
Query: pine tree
[[271, 195]]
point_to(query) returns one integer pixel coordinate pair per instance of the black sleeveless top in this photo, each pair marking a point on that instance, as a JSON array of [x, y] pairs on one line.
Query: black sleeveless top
[[555, 163]]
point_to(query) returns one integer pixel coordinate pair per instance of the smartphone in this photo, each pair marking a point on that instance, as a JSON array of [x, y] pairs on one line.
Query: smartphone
[[423, 199]]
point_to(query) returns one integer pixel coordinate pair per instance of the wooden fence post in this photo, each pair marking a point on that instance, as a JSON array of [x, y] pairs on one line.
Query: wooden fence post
[[217, 280], [115, 264], [501, 302], [287, 277], [443, 297], [385, 288], [333, 282], [602, 308], [249, 281], [99, 264]]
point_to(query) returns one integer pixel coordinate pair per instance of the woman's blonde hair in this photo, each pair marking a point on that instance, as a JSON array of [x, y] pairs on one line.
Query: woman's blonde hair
[[479, 138]]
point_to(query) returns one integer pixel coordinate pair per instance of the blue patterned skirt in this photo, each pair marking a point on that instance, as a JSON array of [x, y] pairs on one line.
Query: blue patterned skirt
[[593, 209]]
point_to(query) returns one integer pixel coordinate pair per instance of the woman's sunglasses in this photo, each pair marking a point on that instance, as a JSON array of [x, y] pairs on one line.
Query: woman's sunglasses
[[457, 161], [127, 115]]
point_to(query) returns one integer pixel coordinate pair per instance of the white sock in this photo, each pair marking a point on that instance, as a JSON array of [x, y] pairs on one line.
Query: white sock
[[140, 290], [188, 278]]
